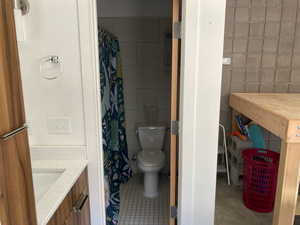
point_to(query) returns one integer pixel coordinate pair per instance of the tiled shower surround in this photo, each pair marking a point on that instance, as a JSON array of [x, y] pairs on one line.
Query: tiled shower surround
[[145, 52], [263, 39]]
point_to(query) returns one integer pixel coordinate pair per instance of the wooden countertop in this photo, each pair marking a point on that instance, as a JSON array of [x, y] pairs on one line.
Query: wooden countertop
[[278, 113]]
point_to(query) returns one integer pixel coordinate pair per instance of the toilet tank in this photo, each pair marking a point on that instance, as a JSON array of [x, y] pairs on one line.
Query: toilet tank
[[151, 137]]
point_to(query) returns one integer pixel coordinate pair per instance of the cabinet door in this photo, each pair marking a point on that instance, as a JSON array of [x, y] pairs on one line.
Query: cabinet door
[[4, 219], [81, 200], [81, 217], [11, 100], [17, 180], [17, 205], [84, 215], [72, 220]]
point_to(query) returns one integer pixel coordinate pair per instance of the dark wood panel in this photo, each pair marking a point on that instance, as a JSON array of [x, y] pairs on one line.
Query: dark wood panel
[[18, 179], [11, 100], [80, 187], [84, 215], [52, 220], [72, 219], [64, 210], [4, 218], [65, 214]]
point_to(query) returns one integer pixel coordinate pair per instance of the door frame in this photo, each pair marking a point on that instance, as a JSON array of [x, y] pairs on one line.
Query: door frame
[[88, 35], [201, 74]]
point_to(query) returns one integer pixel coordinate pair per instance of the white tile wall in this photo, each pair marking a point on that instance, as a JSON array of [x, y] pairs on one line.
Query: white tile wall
[[147, 76]]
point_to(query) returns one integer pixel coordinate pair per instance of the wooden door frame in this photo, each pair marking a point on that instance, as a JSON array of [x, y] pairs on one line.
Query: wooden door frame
[[175, 76]]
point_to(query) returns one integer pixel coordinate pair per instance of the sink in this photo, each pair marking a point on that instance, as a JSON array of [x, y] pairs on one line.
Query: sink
[[43, 179]]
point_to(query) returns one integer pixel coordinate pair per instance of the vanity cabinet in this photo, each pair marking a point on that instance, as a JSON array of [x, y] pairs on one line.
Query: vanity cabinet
[[75, 208]]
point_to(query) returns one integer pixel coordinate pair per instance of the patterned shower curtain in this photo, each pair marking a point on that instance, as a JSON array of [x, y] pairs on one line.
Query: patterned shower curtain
[[116, 167]]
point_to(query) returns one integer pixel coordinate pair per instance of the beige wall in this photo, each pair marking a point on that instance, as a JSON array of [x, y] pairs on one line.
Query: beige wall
[[146, 68], [263, 39]]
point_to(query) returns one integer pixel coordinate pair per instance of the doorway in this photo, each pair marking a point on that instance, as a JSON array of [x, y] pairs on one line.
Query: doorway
[[143, 33]]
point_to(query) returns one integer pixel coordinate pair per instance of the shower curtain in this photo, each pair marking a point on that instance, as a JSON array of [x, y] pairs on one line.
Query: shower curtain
[[116, 167]]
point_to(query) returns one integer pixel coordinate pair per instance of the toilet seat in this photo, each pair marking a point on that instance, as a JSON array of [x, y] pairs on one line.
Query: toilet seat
[[151, 158]]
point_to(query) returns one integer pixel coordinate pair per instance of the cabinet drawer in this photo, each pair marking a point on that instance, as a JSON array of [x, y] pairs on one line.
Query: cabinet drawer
[[74, 210], [80, 188]]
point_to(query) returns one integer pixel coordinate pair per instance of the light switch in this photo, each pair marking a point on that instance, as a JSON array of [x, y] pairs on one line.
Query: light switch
[[59, 125]]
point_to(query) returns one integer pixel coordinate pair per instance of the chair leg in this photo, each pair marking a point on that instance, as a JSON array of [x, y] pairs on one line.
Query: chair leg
[[226, 154], [227, 167]]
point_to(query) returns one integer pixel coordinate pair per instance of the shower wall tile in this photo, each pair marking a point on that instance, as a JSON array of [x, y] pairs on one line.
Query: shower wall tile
[[128, 29], [149, 54], [151, 30], [146, 75], [128, 53], [263, 39]]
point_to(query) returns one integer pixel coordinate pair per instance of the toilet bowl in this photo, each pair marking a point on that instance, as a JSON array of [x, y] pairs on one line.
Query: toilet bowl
[[151, 159], [150, 162]]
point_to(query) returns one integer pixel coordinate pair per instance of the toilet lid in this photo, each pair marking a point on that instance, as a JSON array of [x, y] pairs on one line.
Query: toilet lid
[[151, 158]]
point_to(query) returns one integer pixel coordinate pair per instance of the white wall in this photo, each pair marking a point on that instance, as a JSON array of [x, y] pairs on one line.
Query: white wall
[[47, 34], [203, 30], [67, 29], [146, 55], [132, 8]]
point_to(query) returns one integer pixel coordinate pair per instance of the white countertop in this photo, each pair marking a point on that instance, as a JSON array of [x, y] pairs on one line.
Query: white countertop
[[53, 179]]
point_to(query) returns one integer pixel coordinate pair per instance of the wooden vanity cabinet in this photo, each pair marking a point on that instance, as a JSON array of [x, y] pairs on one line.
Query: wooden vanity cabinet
[[75, 208]]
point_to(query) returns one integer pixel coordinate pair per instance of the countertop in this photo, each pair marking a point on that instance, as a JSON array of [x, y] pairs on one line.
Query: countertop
[[278, 113], [50, 198]]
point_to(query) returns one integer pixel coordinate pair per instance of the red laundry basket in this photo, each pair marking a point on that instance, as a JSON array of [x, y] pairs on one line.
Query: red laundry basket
[[260, 179]]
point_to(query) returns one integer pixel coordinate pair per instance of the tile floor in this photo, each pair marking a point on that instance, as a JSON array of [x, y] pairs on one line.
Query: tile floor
[[230, 209], [138, 210]]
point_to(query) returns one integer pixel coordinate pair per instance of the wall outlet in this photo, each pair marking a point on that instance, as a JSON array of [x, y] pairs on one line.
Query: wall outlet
[[59, 125], [226, 61]]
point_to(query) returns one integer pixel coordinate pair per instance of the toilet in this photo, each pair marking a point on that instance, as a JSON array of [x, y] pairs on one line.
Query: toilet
[[151, 159]]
